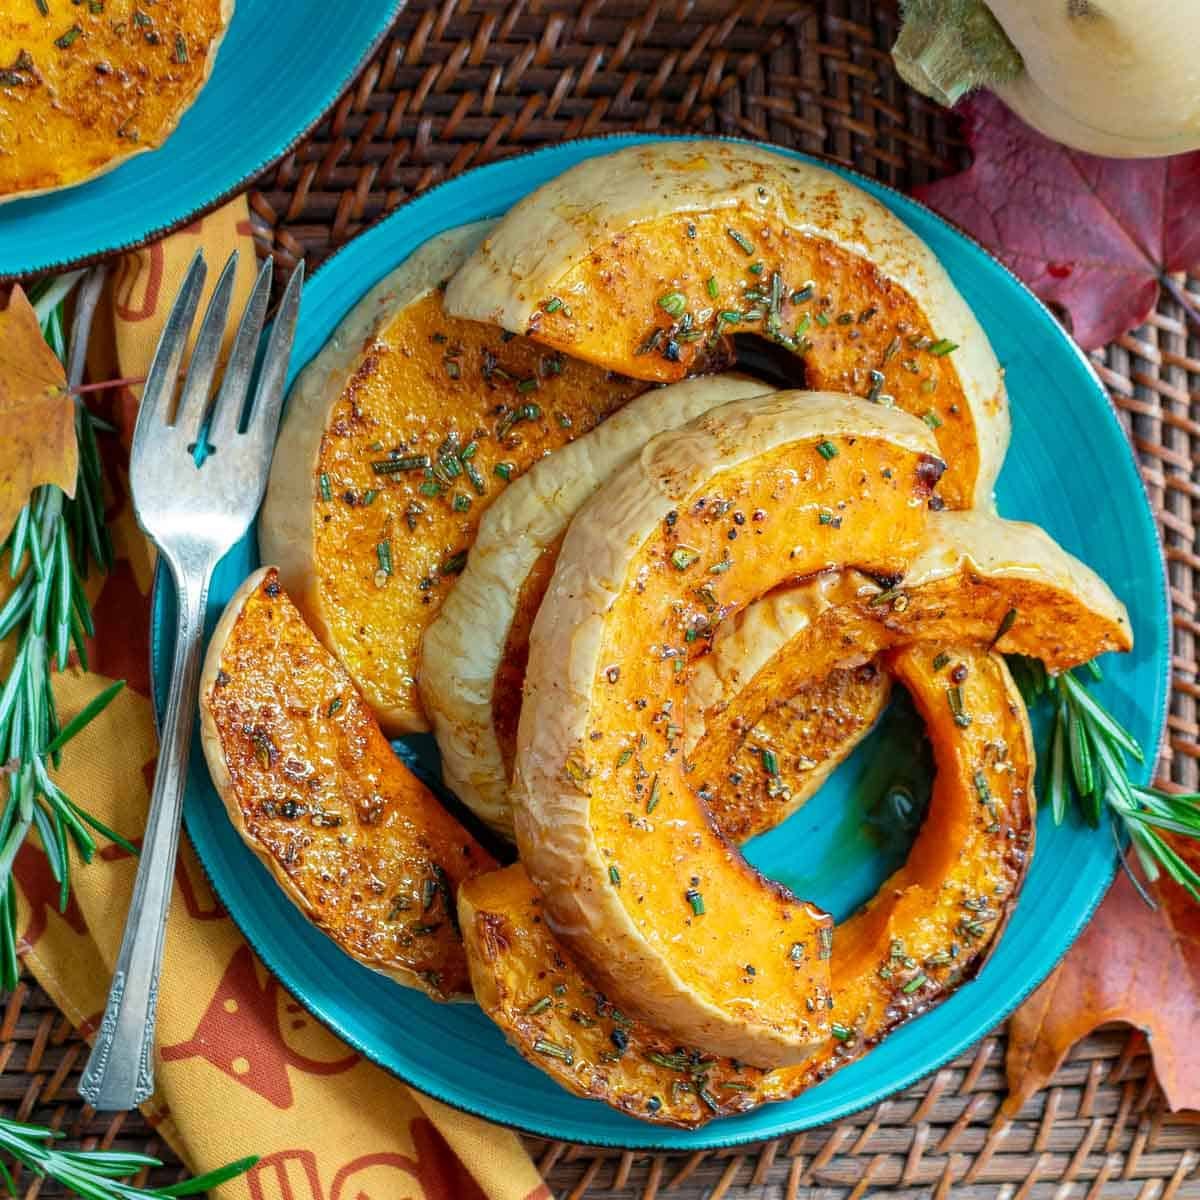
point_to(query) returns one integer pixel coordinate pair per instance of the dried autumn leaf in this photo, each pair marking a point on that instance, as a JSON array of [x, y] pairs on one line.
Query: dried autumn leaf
[[37, 414], [1131, 964], [1096, 236]]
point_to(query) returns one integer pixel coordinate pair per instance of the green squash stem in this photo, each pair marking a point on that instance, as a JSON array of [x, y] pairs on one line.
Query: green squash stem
[[947, 48]]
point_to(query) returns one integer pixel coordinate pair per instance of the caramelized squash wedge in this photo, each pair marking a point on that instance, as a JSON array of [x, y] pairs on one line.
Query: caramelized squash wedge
[[644, 259], [474, 652], [82, 87], [975, 577], [928, 930], [396, 438], [353, 838], [663, 912]]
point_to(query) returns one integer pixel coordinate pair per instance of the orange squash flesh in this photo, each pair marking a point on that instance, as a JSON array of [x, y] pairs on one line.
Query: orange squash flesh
[[808, 736], [927, 931], [729, 935], [357, 842], [857, 331], [793, 748], [83, 86], [438, 415], [1016, 612]]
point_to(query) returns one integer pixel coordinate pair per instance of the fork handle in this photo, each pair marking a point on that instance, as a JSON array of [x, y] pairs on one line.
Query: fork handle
[[119, 1072]]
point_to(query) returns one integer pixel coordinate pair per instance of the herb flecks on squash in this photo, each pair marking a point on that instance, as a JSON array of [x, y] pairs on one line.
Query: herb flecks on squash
[[391, 450], [710, 515], [355, 840], [930, 927], [650, 258]]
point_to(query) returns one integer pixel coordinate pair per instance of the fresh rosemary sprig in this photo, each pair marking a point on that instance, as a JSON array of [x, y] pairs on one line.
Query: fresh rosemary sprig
[[1087, 759], [96, 1174], [47, 555]]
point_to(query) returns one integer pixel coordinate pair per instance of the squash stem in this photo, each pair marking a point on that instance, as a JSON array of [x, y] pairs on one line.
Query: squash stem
[[947, 48]]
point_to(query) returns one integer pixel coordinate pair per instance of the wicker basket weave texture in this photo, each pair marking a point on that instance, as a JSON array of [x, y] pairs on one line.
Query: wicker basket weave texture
[[461, 83]]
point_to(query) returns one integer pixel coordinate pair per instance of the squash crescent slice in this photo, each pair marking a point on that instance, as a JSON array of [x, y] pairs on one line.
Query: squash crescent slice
[[644, 259], [396, 438], [664, 913], [353, 838], [975, 577], [82, 91], [474, 653], [927, 931]]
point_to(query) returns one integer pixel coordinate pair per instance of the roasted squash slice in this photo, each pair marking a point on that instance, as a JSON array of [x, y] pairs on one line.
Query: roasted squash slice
[[927, 931], [474, 652], [353, 838], [85, 86], [976, 577], [644, 259], [396, 438], [663, 912]]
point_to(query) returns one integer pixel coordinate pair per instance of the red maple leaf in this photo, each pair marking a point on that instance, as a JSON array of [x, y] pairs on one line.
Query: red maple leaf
[[1094, 236], [1133, 964]]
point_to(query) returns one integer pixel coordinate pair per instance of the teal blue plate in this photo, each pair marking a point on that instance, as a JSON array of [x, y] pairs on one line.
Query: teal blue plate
[[277, 71], [1069, 468]]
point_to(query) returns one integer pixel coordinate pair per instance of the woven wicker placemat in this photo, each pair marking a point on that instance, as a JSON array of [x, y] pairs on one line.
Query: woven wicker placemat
[[462, 83]]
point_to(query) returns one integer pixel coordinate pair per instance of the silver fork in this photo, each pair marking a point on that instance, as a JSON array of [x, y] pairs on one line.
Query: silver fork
[[193, 514]]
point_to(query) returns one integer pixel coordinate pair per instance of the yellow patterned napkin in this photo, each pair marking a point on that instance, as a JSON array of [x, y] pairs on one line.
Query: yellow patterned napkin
[[241, 1068]]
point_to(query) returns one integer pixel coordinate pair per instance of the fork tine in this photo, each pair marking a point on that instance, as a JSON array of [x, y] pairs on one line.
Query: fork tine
[[155, 407], [264, 416], [227, 409], [193, 400]]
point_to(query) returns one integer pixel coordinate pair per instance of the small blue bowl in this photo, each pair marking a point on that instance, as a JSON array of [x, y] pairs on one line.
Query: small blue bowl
[[278, 70], [1069, 468]]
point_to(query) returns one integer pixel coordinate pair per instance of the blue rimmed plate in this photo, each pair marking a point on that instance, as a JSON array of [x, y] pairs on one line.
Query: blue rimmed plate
[[1069, 468], [277, 71]]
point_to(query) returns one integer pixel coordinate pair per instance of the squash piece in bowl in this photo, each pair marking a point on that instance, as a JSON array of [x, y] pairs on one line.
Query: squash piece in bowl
[[646, 259], [353, 838], [927, 931], [83, 89], [600, 780], [396, 438]]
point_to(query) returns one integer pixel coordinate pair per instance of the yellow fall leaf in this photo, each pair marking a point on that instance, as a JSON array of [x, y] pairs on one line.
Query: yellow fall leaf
[[37, 414]]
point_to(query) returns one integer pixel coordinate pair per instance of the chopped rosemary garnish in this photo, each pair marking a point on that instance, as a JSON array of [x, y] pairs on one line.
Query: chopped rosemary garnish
[[822, 319], [683, 557], [67, 39], [538, 1006], [614, 876], [941, 660], [744, 243], [932, 419], [403, 462], [504, 470], [181, 50], [384, 553], [914, 983], [770, 762], [554, 1050], [334, 705], [827, 450], [652, 802], [326, 490], [954, 698], [942, 347], [1006, 623], [825, 941], [673, 303], [696, 899], [843, 1033], [714, 288], [552, 305]]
